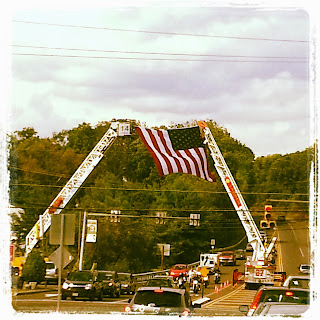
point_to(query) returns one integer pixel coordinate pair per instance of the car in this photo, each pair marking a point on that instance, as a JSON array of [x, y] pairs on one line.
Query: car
[[304, 268], [279, 309], [81, 284], [128, 285], [278, 294], [300, 281], [110, 283], [160, 301], [227, 258], [177, 269], [240, 254], [161, 281], [51, 272]]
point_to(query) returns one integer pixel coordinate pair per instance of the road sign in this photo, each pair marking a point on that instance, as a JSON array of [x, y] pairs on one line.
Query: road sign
[[91, 230], [68, 229], [164, 249], [66, 257]]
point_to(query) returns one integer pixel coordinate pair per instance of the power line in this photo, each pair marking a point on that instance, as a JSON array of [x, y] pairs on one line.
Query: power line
[[159, 53], [154, 190], [160, 32], [150, 59]]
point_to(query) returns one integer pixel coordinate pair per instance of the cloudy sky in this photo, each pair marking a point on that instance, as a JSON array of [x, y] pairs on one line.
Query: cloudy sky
[[245, 68]]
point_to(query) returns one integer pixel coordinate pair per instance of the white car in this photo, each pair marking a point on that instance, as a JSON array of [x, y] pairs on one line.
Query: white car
[[280, 309], [51, 272]]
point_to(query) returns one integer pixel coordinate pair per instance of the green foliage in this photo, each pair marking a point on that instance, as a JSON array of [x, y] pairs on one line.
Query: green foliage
[[35, 268], [126, 179]]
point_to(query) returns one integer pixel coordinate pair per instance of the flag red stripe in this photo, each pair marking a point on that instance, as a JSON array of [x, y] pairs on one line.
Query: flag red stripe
[[154, 156]]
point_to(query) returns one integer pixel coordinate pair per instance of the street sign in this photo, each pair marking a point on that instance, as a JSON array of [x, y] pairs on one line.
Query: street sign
[[91, 230], [66, 257], [68, 229], [164, 249]]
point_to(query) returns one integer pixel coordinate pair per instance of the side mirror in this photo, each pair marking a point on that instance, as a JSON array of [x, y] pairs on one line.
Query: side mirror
[[244, 308]]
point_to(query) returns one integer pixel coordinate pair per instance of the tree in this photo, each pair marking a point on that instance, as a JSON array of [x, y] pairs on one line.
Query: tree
[[34, 269]]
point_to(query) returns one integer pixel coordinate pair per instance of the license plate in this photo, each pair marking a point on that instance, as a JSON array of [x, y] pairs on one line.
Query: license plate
[[75, 294]]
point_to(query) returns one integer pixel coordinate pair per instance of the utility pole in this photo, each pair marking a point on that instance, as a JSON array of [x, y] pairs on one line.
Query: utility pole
[[82, 240], [60, 264]]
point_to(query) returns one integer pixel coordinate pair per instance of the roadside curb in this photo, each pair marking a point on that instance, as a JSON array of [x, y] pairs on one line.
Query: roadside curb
[[32, 291]]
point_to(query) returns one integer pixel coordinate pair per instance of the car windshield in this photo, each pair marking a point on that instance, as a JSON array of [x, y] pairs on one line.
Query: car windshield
[[288, 296], [80, 276], [177, 267], [159, 283], [124, 277], [299, 283], [158, 299], [49, 265], [104, 276]]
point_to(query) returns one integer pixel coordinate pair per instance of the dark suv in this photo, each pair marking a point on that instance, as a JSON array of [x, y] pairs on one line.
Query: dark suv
[[110, 284], [81, 284]]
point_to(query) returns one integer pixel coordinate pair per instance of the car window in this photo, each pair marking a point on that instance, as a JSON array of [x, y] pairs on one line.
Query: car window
[[104, 276], [299, 283], [179, 267], [159, 283], [49, 265], [124, 277], [288, 296], [80, 276], [158, 299]]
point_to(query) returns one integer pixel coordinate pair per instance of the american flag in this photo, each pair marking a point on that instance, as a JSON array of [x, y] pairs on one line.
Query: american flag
[[177, 150]]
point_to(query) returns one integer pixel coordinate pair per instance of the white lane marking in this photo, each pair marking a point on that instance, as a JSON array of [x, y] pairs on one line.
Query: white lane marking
[[48, 295], [301, 252]]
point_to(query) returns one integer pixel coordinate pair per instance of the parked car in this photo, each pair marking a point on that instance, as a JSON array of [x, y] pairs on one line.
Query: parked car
[[110, 283], [297, 282], [279, 309], [51, 272], [304, 268], [160, 301], [178, 269], [81, 284], [227, 258], [128, 285], [161, 281], [277, 294]]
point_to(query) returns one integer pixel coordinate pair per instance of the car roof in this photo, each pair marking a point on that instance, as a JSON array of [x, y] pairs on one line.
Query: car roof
[[266, 288], [176, 290]]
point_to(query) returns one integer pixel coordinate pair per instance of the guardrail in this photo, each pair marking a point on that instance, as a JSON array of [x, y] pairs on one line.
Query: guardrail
[[144, 277]]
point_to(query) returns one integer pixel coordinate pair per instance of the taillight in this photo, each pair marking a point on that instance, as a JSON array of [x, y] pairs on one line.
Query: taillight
[[289, 293], [256, 300], [127, 308], [158, 290], [185, 313]]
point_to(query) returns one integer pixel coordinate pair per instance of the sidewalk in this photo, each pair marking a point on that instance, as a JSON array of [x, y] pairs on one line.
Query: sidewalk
[[39, 288]]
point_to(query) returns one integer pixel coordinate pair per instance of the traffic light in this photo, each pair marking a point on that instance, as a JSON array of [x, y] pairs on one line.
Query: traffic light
[[268, 221]]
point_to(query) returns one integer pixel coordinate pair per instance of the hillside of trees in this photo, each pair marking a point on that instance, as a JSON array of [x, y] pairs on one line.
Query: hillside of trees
[[126, 179]]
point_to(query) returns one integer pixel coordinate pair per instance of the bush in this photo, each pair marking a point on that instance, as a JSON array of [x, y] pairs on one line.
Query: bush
[[35, 268]]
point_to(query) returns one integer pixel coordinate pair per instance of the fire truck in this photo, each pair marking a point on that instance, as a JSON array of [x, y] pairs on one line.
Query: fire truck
[[258, 270]]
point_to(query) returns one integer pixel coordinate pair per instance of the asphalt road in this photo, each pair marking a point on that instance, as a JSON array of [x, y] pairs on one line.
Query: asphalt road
[[294, 249]]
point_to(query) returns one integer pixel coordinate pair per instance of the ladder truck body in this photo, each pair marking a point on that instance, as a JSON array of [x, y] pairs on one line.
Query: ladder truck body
[[257, 271], [74, 183]]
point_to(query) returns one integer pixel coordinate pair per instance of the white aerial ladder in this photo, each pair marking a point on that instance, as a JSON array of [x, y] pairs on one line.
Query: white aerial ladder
[[74, 183], [250, 227], [257, 270]]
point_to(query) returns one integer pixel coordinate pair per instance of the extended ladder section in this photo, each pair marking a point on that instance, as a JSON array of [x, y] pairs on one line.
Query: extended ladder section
[[72, 186], [250, 227]]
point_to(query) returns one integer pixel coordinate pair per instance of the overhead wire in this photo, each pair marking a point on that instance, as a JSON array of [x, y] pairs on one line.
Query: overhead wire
[[162, 32]]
